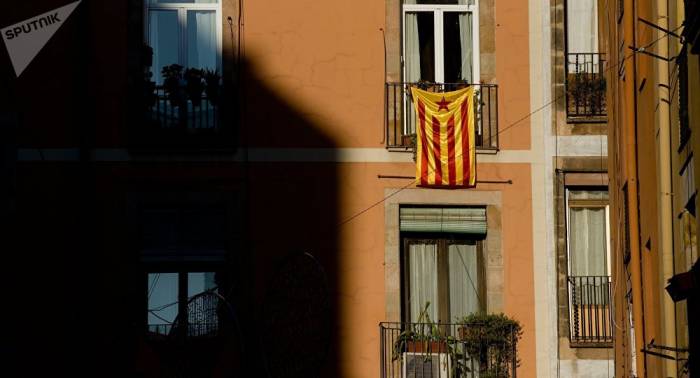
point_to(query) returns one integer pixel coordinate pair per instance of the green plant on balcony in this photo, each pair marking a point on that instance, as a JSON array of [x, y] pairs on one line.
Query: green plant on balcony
[[587, 90], [426, 335], [172, 83], [492, 340], [194, 85], [213, 89]]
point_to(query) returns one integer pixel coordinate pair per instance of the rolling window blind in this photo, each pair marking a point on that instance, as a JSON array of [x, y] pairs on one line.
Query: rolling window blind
[[453, 220]]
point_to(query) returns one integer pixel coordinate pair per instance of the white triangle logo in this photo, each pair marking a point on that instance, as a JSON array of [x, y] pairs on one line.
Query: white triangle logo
[[24, 39]]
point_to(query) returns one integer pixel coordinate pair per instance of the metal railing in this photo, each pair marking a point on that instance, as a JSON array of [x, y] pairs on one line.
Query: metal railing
[[585, 85], [400, 118], [183, 111], [413, 350], [590, 311], [202, 319]]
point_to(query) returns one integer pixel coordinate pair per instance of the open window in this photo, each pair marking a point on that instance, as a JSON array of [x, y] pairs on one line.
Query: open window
[[441, 41], [439, 53]]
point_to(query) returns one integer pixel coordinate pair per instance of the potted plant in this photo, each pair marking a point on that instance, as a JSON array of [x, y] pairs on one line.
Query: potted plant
[[172, 83], [194, 85], [213, 88], [491, 339], [428, 337]]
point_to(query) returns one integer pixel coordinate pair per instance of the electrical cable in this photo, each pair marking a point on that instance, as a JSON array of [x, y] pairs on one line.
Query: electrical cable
[[513, 124]]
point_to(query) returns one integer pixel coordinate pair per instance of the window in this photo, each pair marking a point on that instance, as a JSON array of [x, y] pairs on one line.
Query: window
[[184, 32], [585, 65], [441, 41], [588, 232], [588, 265], [445, 275], [442, 262], [169, 305], [582, 26], [183, 252]]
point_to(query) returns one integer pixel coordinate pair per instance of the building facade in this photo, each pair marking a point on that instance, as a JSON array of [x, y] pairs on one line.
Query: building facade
[[218, 187], [652, 96]]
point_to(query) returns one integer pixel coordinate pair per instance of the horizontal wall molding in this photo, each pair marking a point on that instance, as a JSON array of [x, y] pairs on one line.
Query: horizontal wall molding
[[257, 155]]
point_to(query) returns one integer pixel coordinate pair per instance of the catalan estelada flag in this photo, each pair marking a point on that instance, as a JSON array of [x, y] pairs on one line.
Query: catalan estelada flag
[[445, 155]]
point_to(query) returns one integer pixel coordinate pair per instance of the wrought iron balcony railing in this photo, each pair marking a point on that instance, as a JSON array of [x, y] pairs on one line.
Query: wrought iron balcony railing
[[183, 111], [202, 319], [412, 350], [400, 120], [178, 118], [590, 311], [585, 86]]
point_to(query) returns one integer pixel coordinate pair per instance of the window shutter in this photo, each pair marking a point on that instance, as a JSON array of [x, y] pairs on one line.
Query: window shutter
[[453, 220]]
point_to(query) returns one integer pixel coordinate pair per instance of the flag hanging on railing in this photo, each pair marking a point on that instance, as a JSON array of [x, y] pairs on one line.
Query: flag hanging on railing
[[445, 147]]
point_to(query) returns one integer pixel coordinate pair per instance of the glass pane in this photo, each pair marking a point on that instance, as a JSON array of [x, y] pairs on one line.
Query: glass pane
[[162, 301], [588, 194], [464, 280], [200, 282], [457, 51], [420, 47], [582, 26], [422, 277], [202, 310], [587, 241], [163, 38], [201, 39]]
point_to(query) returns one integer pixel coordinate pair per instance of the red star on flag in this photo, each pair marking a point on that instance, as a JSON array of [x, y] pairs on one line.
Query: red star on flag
[[442, 104]]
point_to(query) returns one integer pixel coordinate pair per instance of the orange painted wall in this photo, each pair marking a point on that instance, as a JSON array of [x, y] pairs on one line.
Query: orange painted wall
[[322, 63], [327, 60], [357, 270]]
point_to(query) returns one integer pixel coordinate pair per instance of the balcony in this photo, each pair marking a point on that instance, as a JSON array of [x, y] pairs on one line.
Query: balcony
[[585, 87], [413, 350], [178, 119], [590, 312], [400, 119]]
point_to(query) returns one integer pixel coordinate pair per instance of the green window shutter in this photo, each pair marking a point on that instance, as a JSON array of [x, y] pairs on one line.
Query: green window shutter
[[470, 220]]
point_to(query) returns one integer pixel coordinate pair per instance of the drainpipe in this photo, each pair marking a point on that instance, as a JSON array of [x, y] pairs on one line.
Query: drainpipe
[[630, 125], [665, 187]]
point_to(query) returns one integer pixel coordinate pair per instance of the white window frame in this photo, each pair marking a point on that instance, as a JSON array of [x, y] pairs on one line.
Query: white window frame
[[438, 11], [182, 9]]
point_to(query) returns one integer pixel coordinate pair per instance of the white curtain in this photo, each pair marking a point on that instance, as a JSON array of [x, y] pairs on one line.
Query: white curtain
[[412, 53], [582, 26], [466, 38], [162, 37], [464, 282], [201, 39], [423, 280], [587, 241]]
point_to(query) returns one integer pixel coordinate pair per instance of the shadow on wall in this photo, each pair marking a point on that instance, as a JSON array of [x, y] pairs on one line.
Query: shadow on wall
[[282, 272], [293, 218], [78, 302]]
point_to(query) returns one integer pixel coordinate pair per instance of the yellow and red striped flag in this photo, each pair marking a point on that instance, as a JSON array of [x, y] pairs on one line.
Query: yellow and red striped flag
[[445, 155]]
